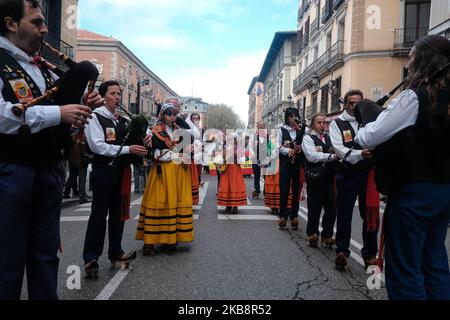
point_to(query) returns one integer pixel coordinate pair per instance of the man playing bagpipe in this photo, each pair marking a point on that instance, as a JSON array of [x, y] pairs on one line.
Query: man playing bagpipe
[[111, 175], [33, 129]]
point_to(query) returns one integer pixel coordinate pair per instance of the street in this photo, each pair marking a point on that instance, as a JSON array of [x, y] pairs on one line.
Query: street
[[240, 257]]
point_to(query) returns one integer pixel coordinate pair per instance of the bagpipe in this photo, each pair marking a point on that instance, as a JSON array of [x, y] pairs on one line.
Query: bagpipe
[[70, 86], [300, 127], [393, 156], [135, 127]]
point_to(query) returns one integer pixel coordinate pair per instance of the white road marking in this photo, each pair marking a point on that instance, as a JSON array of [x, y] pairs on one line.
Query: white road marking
[[352, 242], [74, 219], [202, 195], [113, 285], [259, 217], [83, 210], [85, 205], [137, 202], [357, 245]]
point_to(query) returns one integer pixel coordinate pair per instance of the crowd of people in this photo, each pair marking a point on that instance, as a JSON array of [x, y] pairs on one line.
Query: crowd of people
[[337, 168]]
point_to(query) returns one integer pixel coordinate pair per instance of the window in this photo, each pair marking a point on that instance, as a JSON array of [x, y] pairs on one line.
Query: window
[[338, 92], [417, 20], [314, 102], [324, 99]]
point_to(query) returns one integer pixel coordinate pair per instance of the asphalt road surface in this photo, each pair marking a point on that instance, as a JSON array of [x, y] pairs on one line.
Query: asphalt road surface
[[240, 257]]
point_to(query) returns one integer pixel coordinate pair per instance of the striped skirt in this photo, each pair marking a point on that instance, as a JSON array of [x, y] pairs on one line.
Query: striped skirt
[[193, 168], [272, 192], [166, 211], [232, 191]]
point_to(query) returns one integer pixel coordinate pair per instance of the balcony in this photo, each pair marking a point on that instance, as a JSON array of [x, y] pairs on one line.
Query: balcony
[[332, 59], [62, 46], [306, 5], [337, 3], [314, 28], [310, 111], [327, 11], [405, 39], [305, 40], [301, 12], [305, 78]]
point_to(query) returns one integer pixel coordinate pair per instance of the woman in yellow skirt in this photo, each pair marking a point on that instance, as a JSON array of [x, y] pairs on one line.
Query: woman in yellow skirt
[[232, 191], [166, 212]]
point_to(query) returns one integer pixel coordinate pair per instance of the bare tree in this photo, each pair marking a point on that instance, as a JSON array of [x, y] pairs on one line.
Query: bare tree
[[223, 117]]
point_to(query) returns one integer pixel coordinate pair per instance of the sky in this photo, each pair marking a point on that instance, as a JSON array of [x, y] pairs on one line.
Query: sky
[[211, 49]]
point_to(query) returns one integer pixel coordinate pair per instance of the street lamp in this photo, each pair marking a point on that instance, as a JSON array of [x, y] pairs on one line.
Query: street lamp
[[144, 82]]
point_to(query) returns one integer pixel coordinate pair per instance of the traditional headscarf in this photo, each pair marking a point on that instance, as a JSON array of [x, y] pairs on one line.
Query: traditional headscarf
[[164, 108]]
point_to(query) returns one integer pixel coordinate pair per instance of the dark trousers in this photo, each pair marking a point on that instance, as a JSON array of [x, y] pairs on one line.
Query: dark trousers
[[257, 178], [321, 196], [289, 176], [351, 184], [105, 202], [30, 208], [72, 181], [415, 231], [139, 178]]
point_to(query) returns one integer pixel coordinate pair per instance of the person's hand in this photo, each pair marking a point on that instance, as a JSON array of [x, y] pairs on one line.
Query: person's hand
[[298, 149], [75, 114], [140, 151], [93, 99], [291, 153], [367, 154], [148, 141]]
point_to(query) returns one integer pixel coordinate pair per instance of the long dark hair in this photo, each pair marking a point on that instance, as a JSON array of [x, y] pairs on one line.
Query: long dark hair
[[431, 54], [289, 113]]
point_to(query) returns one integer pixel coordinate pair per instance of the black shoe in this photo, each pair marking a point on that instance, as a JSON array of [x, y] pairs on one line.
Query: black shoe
[[66, 196], [123, 260], [148, 250], [313, 241], [91, 270], [228, 210], [234, 210], [85, 200], [340, 262]]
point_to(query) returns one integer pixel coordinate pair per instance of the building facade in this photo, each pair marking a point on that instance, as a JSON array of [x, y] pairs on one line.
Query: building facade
[[353, 44], [256, 103], [197, 105], [140, 86], [440, 17], [277, 75], [61, 21]]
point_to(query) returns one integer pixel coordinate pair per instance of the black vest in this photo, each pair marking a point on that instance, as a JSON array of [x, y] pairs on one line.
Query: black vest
[[284, 159], [326, 148], [42, 149], [348, 139], [431, 159], [114, 135]]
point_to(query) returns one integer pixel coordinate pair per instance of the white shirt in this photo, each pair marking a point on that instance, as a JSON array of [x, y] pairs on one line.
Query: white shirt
[[400, 114], [292, 133], [95, 135], [338, 144], [37, 118], [311, 152]]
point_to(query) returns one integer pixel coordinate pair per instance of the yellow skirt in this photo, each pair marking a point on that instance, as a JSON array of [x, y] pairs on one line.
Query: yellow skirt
[[166, 211]]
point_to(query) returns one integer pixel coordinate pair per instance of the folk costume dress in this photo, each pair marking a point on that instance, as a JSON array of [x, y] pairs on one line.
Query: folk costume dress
[[272, 184], [232, 190], [166, 211]]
